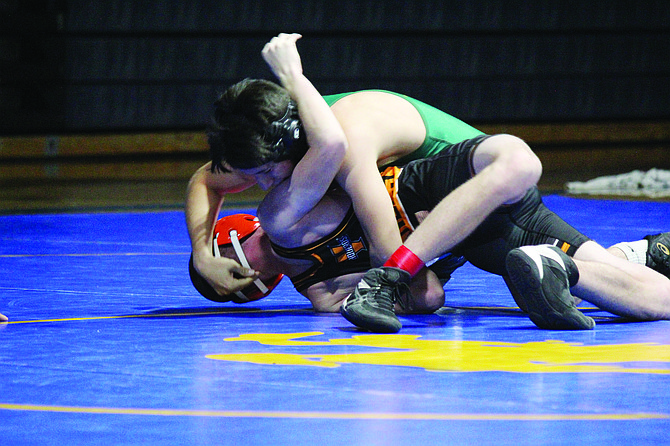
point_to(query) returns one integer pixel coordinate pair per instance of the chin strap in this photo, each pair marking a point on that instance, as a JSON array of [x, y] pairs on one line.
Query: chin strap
[[234, 239]]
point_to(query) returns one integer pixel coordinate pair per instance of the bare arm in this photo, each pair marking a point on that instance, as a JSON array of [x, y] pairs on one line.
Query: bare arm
[[204, 196], [380, 127], [360, 178], [315, 172], [361, 130], [321, 126]]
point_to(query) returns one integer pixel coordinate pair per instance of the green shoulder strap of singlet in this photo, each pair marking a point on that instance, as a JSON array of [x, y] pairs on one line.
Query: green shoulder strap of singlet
[[441, 128]]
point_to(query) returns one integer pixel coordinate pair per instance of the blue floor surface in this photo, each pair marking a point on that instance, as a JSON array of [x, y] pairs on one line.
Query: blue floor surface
[[109, 344]]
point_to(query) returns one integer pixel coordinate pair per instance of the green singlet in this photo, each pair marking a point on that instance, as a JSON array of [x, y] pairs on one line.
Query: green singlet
[[442, 129]]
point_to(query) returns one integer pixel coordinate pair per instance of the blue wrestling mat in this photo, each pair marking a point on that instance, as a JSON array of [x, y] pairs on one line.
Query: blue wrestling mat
[[108, 344]]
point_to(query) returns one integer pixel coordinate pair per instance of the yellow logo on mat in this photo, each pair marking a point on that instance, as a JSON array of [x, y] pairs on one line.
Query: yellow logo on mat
[[458, 356]]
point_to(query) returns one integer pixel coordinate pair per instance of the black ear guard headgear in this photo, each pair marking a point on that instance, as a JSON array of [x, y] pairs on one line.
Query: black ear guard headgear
[[287, 135]]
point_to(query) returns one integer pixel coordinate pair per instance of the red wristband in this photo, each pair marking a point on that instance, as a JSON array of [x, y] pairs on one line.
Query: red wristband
[[405, 259]]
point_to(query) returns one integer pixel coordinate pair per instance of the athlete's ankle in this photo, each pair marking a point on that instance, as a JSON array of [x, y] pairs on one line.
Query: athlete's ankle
[[635, 252], [406, 260]]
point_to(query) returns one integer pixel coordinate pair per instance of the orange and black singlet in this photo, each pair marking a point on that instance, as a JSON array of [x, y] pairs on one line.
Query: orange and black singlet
[[343, 251]]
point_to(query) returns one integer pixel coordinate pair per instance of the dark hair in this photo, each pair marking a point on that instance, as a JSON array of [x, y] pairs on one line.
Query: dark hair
[[240, 134]]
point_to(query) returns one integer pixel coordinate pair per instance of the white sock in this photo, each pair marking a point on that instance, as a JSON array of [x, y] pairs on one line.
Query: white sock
[[635, 252]]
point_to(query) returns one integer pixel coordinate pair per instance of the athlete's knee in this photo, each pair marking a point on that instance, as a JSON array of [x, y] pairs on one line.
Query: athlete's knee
[[434, 299], [515, 167], [520, 160], [426, 296]]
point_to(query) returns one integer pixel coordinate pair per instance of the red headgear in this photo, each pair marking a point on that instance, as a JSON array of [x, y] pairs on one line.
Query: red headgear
[[232, 230]]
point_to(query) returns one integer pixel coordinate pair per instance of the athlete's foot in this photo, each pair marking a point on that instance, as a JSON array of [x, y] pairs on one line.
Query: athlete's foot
[[371, 304], [542, 276], [658, 253]]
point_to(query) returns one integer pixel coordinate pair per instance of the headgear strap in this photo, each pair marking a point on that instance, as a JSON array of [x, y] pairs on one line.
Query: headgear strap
[[230, 230], [243, 260]]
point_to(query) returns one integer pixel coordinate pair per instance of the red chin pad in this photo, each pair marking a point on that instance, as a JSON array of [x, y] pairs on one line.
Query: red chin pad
[[252, 292], [244, 224]]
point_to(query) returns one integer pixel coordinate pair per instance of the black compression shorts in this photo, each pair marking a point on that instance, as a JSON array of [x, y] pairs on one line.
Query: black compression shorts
[[424, 183]]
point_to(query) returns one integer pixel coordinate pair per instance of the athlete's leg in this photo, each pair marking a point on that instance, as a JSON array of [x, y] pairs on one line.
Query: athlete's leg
[[504, 169], [619, 286]]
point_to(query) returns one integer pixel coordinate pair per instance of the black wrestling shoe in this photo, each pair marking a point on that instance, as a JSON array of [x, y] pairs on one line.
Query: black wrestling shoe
[[371, 305], [658, 253], [542, 276]]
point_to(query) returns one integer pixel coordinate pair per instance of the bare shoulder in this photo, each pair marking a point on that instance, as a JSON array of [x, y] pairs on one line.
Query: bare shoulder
[[374, 100], [384, 122]]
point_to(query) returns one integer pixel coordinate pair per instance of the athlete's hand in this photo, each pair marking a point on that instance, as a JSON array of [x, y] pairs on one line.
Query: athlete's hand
[[281, 55], [3, 318], [225, 275]]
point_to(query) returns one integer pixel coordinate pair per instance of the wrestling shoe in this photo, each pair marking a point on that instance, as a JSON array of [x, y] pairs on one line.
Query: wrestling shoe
[[542, 276], [658, 253], [371, 305]]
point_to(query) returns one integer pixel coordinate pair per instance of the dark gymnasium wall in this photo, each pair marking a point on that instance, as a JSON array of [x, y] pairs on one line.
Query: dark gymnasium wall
[[77, 66]]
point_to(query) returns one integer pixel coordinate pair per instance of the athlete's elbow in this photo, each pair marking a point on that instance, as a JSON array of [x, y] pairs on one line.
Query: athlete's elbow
[[334, 146], [337, 151]]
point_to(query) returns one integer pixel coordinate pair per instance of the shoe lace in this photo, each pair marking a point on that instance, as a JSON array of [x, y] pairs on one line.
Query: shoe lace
[[402, 295], [387, 292]]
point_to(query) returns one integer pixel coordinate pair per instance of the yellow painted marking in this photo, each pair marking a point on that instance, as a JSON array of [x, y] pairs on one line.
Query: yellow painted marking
[[459, 355], [337, 415]]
